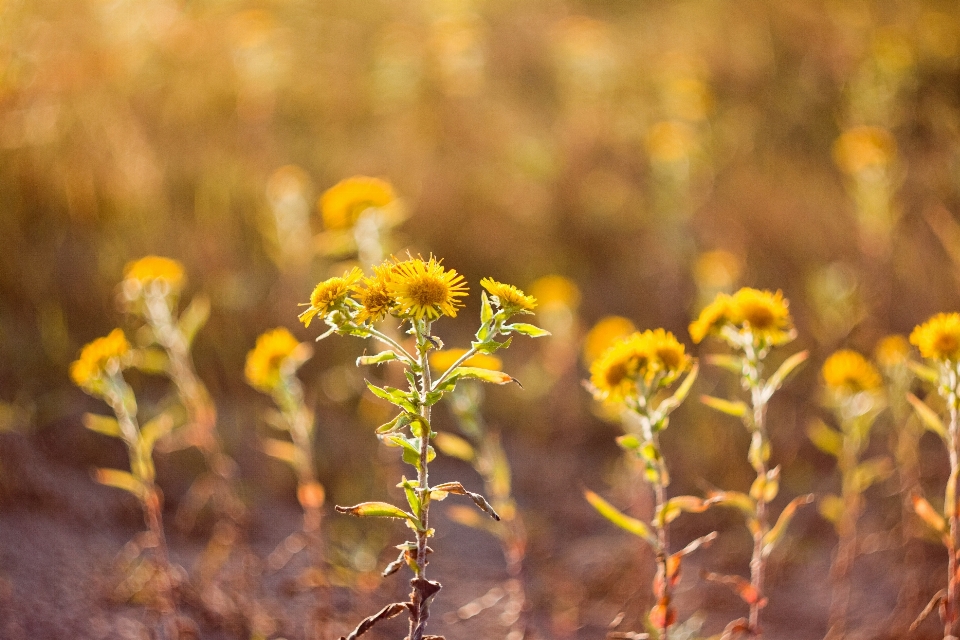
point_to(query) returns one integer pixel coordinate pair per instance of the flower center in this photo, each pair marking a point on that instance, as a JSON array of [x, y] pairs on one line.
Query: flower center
[[428, 292]]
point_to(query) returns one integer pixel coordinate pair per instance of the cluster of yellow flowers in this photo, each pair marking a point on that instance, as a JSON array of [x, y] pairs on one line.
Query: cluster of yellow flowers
[[275, 350], [150, 269], [102, 356], [761, 315], [939, 337], [654, 357], [342, 204], [410, 289]]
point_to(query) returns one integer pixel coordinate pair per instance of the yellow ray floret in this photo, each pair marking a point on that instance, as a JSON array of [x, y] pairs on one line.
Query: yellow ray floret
[[265, 361], [939, 337], [508, 296], [330, 294], [424, 289], [443, 360], [99, 357], [342, 204], [152, 268], [848, 372], [374, 297]]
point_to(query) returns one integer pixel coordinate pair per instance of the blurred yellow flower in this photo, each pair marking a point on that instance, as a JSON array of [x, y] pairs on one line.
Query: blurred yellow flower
[[555, 290], [862, 148], [848, 372], [442, 360], [764, 314], [508, 296], [375, 297], [329, 294], [152, 268], [636, 357], [425, 289], [103, 355], [341, 205], [671, 141], [265, 361], [717, 270], [892, 351], [939, 337], [603, 334]]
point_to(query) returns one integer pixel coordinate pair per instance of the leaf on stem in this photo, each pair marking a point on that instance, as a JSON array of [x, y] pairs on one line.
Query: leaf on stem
[[928, 514], [928, 416], [622, 520], [440, 492], [736, 499], [673, 507], [194, 317], [389, 611], [732, 364], [380, 358], [377, 510], [153, 430], [106, 425], [486, 375], [831, 508], [152, 360], [121, 480], [825, 438], [871, 471], [772, 537], [674, 401], [736, 409], [702, 541], [780, 376], [740, 586], [402, 399], [526, 329], [922, 371]]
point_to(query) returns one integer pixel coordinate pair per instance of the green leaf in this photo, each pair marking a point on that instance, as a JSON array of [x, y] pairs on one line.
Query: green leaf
[[736, 409], [121, 480], [106, 425], [825, 438], [490, 346], [377, 510], [928, 416], [673, 507], [380, 358], [831, 508], [735, 499], [614, 515], [925, 373], [526, 329], [779, 377], [396, 424], [402, 399], [667, 406], [455, 446], [153, 430], [194, 317], [629, 442], [486, 310], [486, 375], [152, 360], [772, 537], [867, 473], [732, 364], [410, 490]]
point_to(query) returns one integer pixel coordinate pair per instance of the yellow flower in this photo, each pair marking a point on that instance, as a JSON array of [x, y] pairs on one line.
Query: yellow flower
[[342, 204], [508, 296], [892, 351], [99, 357], [939, 337], [862, 148], [375, 297], [554, 290], [442, 360], [765, 314], [603, 334], [425, 289], [634, 357], [712, 318], [330, 294], [152, 268], [848, 372], [266, 360]]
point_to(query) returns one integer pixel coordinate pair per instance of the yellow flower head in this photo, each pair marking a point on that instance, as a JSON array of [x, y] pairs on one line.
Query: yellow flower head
[[847, 372], [266, 361], [342, 204], [153, 268], [103, 355], [892, 351], [764, 314], [508, 296], [330, 294], [375, 297], [939, 337], [554, 290], [442, 360], [603, 334], [424, 289], [638, 356]]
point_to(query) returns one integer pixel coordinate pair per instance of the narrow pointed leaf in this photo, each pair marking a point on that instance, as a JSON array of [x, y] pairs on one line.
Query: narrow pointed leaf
[[825, 438], [486, 375], [526, 329], [380, 358], [773, 536], [736, 499], [152, 360], [736, 409], [281, 450], [702, 541], [194, 317], [622, 520], [871, 471], [106, 425], [376, 510], [396, 396], [740, 586], [389, 611], [928, 416], [673, 507], [153, 430], [780, 376], [925, 373], [120, 480], [732, 364], [674, 401], [928, 514], [457, 489]]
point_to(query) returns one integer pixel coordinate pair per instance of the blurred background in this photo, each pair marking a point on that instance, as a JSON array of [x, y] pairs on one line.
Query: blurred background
[[642, 156]]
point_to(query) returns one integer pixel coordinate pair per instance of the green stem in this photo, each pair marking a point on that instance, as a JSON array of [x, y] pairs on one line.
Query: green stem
[[419, 597]]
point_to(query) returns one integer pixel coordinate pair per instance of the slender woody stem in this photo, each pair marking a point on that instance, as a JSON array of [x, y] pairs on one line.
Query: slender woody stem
[[663, 554], [420, 608], [950, 604], [759, 403]]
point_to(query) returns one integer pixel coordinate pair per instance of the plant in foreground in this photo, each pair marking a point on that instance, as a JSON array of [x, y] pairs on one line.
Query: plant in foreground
[[482, 449], [633, 374], [854, 394], [752, 323], [938, 340], [99, 372], [418, 292], [271, 368]]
